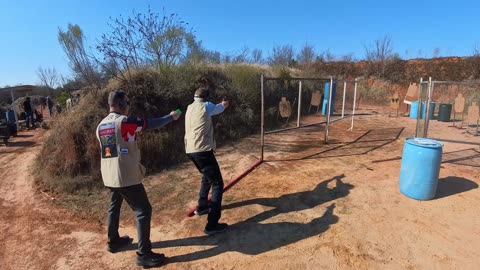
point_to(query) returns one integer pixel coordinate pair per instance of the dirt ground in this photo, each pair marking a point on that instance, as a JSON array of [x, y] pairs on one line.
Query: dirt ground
[[310, 206]]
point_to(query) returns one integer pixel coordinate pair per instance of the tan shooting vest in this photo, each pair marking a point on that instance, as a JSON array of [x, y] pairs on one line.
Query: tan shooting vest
[[120, 164], [198, 128]]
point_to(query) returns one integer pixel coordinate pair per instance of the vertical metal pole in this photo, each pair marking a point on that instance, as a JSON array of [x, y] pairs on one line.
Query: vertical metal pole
[[329, 104], [262, 118], [343, 105], [299, 103], [427, 113], [419, 105], [354, 103], [14, 111]]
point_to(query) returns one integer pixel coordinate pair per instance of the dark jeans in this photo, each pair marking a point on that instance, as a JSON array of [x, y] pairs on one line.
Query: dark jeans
[[137, 199], [207, 164], [29, 118]]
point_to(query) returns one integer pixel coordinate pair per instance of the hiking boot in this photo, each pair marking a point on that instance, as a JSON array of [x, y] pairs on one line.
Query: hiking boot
[[202, 210], [151, 259], [119, 244], [218, 228]]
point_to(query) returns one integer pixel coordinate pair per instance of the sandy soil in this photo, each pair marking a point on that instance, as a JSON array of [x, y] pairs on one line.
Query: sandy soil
[[310, 206]]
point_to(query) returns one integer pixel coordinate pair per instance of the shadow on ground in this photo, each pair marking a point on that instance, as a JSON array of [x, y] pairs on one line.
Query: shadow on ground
[[468, 157], [367, 142], [452, 185], [253, 237]]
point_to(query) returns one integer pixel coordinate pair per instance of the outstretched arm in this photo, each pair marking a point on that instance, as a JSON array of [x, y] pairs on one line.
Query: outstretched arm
[[162, 121], [214, 109], [152, 123]]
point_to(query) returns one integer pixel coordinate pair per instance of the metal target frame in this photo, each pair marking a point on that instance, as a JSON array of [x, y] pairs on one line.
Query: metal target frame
[[328, 121], [430, 90]]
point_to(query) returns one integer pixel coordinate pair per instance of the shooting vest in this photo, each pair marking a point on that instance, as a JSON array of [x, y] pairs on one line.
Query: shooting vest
[[120, 164], [198, 128]]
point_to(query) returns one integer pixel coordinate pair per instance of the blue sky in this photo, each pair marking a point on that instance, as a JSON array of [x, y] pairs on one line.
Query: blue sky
[[28, 29]]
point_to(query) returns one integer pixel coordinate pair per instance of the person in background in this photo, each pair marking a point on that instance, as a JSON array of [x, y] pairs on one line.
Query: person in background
[[50, 105], [27, 107], [38, 116], [122, 173], [200, 147], [58, 108]]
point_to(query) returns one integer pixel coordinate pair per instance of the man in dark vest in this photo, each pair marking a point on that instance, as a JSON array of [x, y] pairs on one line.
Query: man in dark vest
[[122, 173], [200, 147], [50, 105]]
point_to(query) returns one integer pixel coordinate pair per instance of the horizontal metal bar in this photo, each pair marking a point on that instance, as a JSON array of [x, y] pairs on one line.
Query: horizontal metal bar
[[454, 141], [338, 119], [296, 79], [460, 83], [280, 130]]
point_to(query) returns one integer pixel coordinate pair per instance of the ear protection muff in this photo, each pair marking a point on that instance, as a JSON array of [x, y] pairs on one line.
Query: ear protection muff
[[202, 93], [118, 97]]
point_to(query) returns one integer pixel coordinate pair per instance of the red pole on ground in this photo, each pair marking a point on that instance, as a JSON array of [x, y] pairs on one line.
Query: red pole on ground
[[231, 184]]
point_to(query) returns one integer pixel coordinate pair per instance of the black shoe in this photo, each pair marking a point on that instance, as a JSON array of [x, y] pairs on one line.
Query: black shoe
[[218, 228], [202, 210], [119, 244], [151, 259]]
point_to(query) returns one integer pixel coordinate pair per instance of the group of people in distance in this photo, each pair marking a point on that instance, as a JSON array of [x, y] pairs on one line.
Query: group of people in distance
[[32, 115], [122, 171]]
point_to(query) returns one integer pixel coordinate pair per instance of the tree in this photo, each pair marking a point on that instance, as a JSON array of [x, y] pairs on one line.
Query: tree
[[378, 54], [48, 77], [73, 44], [282, 56], [475, 61], [257, 56], [326, 56], [242, 57], [307, 54], [148, 39]]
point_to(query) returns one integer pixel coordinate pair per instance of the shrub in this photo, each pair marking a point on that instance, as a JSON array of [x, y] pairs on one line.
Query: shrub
[[72, 147]]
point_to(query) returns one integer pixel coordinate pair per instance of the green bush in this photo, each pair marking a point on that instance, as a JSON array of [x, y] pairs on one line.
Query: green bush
[[152, 94]]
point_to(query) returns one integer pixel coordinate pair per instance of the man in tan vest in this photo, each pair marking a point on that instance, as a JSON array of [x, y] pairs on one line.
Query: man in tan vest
[[200, 147], [122, 173]]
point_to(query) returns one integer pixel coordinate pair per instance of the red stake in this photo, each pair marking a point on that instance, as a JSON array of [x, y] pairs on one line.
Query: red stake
[[227, 187]]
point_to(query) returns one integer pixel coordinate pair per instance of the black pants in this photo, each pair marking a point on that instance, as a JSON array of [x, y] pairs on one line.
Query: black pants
[[207, 164], [137, 199], [30, 119]]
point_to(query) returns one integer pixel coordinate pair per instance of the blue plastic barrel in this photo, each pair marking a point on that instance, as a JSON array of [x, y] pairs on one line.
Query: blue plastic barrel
[[420, 168], [424, 109], [326, 89], [414, 110]]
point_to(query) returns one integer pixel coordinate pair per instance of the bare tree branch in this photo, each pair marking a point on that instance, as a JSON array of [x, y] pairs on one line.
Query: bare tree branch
[[48, 77]]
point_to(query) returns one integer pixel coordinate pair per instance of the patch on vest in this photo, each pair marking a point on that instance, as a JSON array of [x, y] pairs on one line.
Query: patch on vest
[[124, 150], [106, 132]]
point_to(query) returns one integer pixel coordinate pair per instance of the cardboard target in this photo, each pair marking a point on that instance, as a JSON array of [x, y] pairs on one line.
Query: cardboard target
[[459, 103], [412, 93], [285, 108], [316, 98], [395, 101], [473, 113]]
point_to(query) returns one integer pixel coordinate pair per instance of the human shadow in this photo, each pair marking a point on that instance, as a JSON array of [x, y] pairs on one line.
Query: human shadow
[[297, 201], [452, 185], [252, 237]]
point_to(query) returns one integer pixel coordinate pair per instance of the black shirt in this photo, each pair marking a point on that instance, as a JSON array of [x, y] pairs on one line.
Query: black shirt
[[27, 106]]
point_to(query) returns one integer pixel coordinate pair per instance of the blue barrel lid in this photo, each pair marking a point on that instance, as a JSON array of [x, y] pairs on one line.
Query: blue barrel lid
[[424, 142]]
